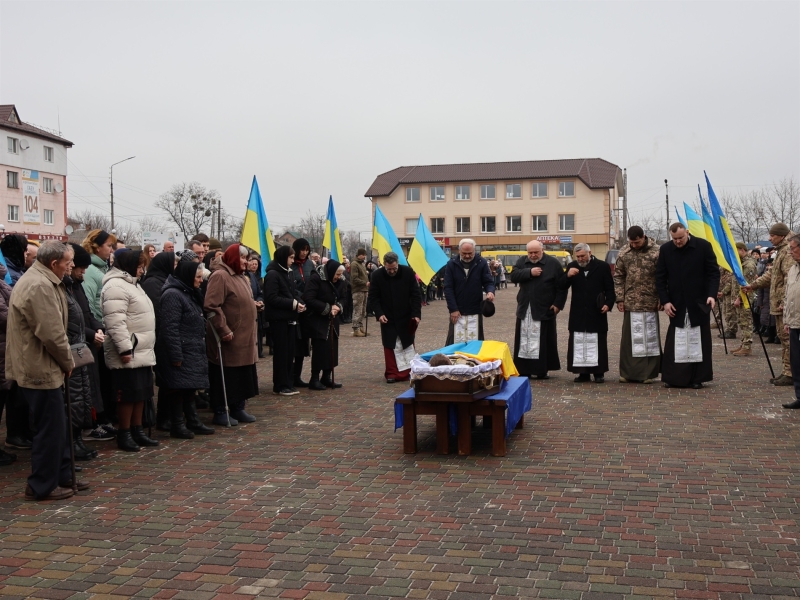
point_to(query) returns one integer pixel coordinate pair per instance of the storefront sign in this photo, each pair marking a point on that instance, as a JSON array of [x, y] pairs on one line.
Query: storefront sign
[[565, 239], [549, 239]]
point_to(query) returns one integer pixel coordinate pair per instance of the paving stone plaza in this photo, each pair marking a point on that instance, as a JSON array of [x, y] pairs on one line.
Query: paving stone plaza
[[610, 491]]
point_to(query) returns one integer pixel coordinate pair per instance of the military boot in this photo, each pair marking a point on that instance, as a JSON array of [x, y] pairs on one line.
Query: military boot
[[743, 351]]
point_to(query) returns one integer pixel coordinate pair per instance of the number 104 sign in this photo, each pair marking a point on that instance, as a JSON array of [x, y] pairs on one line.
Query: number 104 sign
[[30, 197]]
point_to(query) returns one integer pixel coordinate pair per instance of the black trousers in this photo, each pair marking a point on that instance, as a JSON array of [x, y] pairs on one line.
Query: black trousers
[[794, 359], [50, 458], [16, 413], [283, 342]]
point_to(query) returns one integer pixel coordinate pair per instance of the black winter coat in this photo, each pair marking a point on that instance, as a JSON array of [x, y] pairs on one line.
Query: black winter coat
[[152, 285], [319, 297], [542, 292], [80, 387], [464, 293], [399, 299], [687, 277], [280, 294], [302, 274], [181, 338], [592, 285]]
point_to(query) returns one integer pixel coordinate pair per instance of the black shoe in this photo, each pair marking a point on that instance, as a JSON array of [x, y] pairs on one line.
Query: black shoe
[[331, 384], [221, 419], [81, 453], [545, 376], [19, 442], [666, 385], [286, 392], [600, 379], [6, 458], [178, 429], [792, 405], [583, 377], [391, 381], [193, 422], [316, 384], [697, 386], [125, 441], [138, 435], [299, 383], [242, 416], [77, 438]]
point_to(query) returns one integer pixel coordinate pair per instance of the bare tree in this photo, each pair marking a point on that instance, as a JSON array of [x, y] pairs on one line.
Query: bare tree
[[312, 226], [652, 224], [190, 206], [747, 215], [784, 203], [351, 242]]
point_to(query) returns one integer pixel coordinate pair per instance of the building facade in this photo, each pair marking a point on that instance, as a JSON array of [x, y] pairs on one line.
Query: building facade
[[33, 197], [503, 206]]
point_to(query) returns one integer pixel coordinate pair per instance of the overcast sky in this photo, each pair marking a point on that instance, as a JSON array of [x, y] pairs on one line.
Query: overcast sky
[[319, 98]]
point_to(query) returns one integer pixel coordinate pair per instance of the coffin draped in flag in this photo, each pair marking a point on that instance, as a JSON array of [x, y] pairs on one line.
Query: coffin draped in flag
[[485, 350]]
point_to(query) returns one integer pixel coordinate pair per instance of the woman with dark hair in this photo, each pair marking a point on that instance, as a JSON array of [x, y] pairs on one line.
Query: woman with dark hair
[[285, 305], [254, 274], [182, 367], [100, 245], [302, 267], [230, 298], [129, 346], [14, 247], [322, 297]]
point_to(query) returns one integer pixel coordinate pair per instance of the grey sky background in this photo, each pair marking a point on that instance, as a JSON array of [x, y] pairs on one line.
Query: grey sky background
[[318, 98]]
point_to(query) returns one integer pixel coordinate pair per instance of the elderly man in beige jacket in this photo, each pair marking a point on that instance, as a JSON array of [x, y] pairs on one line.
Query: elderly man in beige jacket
[[791, 317], [38, 357]]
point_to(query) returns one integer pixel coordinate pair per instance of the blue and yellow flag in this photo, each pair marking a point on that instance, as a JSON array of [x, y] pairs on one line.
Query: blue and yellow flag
[[711, 234], [694, 223], [256, 233], [332, 240], [426, 257], [724, 234], [681, 220], [7, 278], [486, 350], [384, 239]]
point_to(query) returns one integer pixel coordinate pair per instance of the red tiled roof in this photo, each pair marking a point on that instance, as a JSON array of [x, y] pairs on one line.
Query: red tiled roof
[[7, 114], [596, 173]]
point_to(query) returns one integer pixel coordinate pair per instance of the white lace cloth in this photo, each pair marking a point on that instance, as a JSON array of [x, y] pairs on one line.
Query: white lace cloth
[[420, 368]]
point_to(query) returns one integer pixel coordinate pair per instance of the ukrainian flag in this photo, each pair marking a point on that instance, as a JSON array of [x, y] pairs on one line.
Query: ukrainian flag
[[681, 220], [332, 240], [724, 235], [7, 278], [711, 234], [426, 256], [384, 240], [695, 222], [256, 233]]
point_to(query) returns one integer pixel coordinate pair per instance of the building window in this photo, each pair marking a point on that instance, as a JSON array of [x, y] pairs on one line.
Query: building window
[[539, 223], [513, 190], [539, 189], [13, 213], [12, 179], [437, 225], [437, 193], [514, 224], [411, 226], [13, 145], [462, 192], [47, 185], [462, 225], [566, 222], [487, 192], [48, 216], [48, 153], [488, 225], [566, 189], [412, 194]]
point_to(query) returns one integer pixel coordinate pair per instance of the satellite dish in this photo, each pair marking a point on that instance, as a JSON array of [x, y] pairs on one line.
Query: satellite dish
[[24, 144], [68, 229], [59, 188]]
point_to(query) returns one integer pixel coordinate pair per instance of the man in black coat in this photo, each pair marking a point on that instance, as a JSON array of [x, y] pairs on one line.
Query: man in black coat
[[541, 296], [396, 301], [466, 277], [592, 297], [687, 280]]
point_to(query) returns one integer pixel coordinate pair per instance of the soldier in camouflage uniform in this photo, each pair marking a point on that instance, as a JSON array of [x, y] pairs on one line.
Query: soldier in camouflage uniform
[[635, 287], [725, 297], [775, 279], [744, 314]]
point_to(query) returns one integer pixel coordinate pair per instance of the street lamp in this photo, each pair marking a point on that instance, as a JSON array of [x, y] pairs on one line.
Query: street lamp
[[112, 188]]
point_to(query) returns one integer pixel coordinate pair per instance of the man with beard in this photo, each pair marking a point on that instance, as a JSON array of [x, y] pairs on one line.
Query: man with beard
[[466, 277], [395, 299], [542, 295], [592, 298], [687, 279]]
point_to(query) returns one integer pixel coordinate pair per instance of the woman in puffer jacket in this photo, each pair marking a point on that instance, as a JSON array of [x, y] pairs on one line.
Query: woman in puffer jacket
[[129, 345], [181, 362]]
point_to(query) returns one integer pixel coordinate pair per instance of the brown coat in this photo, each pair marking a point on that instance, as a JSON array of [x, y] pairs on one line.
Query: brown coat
[[775, 278], [230, 297]]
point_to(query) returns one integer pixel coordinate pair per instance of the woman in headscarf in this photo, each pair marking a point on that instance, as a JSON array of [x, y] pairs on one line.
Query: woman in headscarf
[[182, 367], [256, 285], [302, 267], [322, 297], [284, 306], [129, 345], [14, 247], [230, 298]]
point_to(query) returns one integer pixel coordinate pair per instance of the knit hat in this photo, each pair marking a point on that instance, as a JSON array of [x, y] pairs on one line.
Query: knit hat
[[741, 246], [779, 229], [82, 258], [213, 244]]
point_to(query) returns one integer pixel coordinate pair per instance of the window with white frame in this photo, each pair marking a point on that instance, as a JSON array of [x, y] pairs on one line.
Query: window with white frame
[[488, 225], [437, 225], [12, 179], [462, 192], [13, 145], [539, 189], [411, 226], [539, 223], [514, 223], [48, 153], [13, 213], [513, 190], [49, 217], [566, 222], [462, 225], [437, 193], [566, 189], [47, 185], [488, 191], [412, 194]]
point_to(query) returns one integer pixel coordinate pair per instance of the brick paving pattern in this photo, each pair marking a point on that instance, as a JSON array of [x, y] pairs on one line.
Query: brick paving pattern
[[610, 491]]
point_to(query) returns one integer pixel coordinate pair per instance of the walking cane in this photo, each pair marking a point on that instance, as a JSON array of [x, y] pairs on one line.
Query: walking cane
[[221, 367], [721, 327], [331, 334], [760, 337], [68, 405]]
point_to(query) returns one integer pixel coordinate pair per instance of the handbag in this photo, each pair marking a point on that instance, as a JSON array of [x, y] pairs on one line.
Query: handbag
[[81, 355]]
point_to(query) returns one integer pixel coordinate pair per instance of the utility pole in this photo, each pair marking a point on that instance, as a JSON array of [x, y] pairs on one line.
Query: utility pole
[[625, 203], [666, 185], [112, 188]]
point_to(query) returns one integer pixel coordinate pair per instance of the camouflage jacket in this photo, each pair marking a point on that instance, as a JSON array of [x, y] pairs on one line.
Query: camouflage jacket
[[775, 278], [725, 279], [635, 277], [749, 268]]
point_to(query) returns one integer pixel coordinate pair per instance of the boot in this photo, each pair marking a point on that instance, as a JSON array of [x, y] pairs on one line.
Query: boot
[[327, 381], [138, 435], [178, 429], [193, 421], [772, 335], [315, 384], [125, 441], [202, 401], [240, 415], [162, 413], [81, 451], [743, 352]]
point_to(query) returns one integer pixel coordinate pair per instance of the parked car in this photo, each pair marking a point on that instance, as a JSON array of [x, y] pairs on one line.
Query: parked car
[[611, 259]]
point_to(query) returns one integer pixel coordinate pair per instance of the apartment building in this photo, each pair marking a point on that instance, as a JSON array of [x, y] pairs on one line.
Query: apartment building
[[33, 200], [505, 205]]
